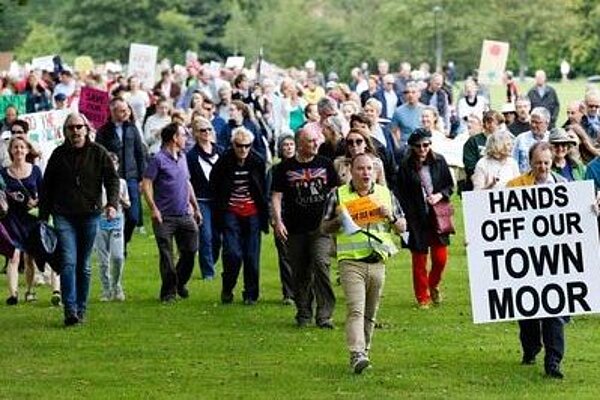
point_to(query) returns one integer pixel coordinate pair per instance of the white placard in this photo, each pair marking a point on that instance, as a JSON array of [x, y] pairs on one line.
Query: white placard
[[532, 252], [142, 63], [43, 63], [235, 62]]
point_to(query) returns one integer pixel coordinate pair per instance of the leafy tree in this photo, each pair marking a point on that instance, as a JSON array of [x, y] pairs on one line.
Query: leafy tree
[[42, 40]]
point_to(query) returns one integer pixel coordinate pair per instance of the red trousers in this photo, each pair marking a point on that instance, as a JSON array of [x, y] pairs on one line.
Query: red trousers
[[422, 280]]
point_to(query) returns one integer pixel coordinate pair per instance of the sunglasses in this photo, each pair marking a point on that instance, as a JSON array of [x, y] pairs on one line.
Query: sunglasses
[[205, 129], [593, 106], [355, 142], [17, 132], [75, 127], [242, 145], [422, 145]]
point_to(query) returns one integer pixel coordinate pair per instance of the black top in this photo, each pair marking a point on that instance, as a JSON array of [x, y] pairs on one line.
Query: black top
[[305, 187]]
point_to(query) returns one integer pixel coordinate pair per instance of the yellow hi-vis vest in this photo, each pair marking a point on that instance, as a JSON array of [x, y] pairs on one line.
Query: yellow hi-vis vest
[[379, 237]]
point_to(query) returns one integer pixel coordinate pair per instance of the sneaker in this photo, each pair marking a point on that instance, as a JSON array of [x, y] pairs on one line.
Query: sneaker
[[249, 302], [141, 230], [302, 323], [358, 362], [528, 360], [12, 301], [436, 296], [423, 306], [119, 296], [30, 297], [55, 299], [105, 298]]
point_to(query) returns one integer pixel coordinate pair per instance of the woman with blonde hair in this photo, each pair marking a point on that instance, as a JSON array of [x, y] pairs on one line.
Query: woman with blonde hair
[[497, 167]]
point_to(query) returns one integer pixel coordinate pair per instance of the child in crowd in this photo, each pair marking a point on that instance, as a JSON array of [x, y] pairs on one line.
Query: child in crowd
[[110, 244]]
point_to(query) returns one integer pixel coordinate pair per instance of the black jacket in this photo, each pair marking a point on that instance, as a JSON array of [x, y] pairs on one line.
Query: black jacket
[[73, 181], [221, 182], [549, 102], [130, 150], [410, 193]]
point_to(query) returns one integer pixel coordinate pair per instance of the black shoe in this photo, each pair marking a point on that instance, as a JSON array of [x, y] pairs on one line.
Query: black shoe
[[554, 373], [327, 324], [226, 298], [12, 301], [71, 320], [302, 323], [528, 360], [183, 292]]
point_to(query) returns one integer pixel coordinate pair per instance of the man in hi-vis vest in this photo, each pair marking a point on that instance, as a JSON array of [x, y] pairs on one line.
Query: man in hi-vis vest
[[364, 216]]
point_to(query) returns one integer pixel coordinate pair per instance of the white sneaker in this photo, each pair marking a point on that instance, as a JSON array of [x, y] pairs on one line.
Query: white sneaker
[[105, 298], [358, 362], [119, 296]]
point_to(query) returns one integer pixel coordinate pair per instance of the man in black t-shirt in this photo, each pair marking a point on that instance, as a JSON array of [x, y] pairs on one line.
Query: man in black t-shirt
[[303, 183]]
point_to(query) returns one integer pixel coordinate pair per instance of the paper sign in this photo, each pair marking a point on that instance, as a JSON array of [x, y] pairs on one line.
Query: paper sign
[[364, 210], [83, 64], [6, 57], [142, 63], [235, 62], [532, 252], [46, 129], [43, 63], [493, 62], [93, 103]]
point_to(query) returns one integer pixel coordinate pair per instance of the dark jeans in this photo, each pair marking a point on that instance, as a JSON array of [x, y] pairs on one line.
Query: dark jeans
[[132, 214], [209, 243], [76, 235], [185, 231], [241, 243], [309, 257], [550, 332], [285, 269]]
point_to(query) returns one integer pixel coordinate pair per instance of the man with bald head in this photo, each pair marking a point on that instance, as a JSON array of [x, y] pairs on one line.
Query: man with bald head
[[575, 111], [590, 121], [542, 95], [303, 183]]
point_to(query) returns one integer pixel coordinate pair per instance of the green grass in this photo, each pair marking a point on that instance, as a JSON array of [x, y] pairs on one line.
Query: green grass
[[199, 349]]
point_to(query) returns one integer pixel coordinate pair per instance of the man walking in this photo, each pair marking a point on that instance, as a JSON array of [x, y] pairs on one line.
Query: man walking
[[303, 183], [170, 197]]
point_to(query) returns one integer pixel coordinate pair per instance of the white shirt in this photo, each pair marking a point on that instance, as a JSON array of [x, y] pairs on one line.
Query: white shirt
[[391, 100]]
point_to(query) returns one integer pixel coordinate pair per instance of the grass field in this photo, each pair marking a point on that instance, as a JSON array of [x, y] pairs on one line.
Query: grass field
[[200, 349]]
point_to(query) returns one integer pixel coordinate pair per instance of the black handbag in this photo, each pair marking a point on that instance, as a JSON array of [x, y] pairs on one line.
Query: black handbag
[[44, 247]]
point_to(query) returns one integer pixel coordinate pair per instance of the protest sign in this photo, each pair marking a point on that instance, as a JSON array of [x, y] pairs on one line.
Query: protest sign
[[142, 63], [43, 63], [532, 252], [17, 100], [83, 64], [235, 62], [364, 210], [493, 62], [93, 103], [6, 58], [46, 129]]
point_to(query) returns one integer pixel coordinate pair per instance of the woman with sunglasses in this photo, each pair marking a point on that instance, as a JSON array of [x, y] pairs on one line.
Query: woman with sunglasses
[[358, 141], [200, 159], [72, 192], [424, 179], [562, 162]]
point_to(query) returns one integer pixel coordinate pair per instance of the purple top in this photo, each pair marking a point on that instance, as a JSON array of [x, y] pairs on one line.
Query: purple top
[[170, 179]]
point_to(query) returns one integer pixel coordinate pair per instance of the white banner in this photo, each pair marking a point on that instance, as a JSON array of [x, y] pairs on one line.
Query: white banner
[[142, 63], [533, 252]]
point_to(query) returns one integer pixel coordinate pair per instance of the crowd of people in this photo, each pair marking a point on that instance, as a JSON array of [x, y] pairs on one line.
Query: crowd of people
[[220, 156]]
